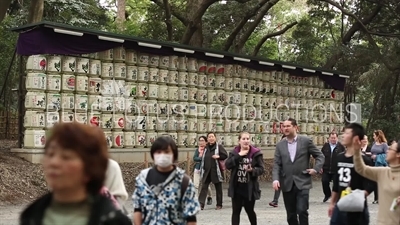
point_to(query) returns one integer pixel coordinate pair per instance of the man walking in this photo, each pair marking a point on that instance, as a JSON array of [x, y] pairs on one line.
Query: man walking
[[330, 151], [347, 177], [291, 172]]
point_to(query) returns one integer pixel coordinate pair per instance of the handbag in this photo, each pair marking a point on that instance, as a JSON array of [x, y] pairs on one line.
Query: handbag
[[352, 202], [221, 164]]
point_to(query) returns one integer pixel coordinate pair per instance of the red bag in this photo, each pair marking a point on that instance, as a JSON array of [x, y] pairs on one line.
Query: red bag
[[105, 192], [221, 164]]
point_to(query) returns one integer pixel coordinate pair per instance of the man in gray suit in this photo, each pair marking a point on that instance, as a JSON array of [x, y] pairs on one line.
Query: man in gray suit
[[291, 172]]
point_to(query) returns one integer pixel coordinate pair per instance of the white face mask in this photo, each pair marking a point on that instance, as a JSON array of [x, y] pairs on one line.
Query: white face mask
[[163, 160]]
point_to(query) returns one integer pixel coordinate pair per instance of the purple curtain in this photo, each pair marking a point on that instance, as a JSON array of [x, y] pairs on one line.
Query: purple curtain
[[46, 41], [42, 40]]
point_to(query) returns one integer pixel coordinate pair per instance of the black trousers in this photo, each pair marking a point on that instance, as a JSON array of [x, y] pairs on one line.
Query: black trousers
[[204, 191], [326, 180], [276, 196], [349, 218], [296, 205], [238, 202], [375, 191]]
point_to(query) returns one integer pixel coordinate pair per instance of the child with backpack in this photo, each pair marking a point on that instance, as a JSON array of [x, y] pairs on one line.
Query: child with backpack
[[164, 194]]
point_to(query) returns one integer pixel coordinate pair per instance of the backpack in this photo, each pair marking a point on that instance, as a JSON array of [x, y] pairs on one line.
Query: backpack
[[184, 185]]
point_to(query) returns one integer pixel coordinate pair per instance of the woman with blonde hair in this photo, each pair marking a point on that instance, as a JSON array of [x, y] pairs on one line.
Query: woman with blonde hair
[[246, 164], [388, 179], [378, 155]]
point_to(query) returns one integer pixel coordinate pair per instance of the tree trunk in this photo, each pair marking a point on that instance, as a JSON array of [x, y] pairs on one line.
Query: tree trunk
[[195, 10], [240, 25], [268, 36], [197, 38], [168, 18], [121, 4], [4, 5], [36, 11], [371, 117], [333, 59], [254, 24], [392, 102]]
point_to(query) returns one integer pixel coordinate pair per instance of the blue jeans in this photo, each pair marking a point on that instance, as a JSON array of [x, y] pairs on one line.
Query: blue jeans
[[350, 218]]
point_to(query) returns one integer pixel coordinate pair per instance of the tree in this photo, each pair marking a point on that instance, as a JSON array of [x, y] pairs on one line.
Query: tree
[[193, 14], [36, 11], [4, 5]]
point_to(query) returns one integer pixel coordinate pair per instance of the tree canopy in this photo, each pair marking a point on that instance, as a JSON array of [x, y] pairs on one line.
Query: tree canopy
[[354, 36]]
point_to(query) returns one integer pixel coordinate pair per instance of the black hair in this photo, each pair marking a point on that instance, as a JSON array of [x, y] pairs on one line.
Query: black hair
[[283, 136], [357, 130], [292, 121], [211, 133], [204, 137], [162, 143]]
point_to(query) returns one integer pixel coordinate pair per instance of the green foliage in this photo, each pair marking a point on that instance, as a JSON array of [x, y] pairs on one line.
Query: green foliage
[[7, 46], [82, 13], [314, 41]]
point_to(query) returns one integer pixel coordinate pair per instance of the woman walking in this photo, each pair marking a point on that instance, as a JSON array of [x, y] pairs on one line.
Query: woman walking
[[197, 158], [378, 155], [74, 165], [388, 179], [246, 164], [212, 170]]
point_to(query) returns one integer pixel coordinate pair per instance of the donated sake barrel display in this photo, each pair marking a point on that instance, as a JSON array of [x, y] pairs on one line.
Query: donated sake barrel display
[[135, 97]]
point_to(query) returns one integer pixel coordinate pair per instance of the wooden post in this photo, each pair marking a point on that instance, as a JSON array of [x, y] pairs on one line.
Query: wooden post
[[21, 102], [146, 162], [188, 163]]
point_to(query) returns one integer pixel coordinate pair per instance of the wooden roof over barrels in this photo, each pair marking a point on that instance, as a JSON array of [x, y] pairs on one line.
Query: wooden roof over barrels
[[55, 38]]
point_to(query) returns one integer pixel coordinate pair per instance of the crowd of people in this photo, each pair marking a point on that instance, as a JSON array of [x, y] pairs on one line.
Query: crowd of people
[[87, 188]]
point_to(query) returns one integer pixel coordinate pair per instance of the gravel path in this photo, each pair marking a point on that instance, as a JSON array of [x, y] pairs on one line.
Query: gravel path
[[266, 214]]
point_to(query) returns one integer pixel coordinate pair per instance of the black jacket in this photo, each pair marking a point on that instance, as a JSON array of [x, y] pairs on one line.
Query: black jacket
[[257, 164], [330, 164], [209, 165], [103, 212], [368, 149]]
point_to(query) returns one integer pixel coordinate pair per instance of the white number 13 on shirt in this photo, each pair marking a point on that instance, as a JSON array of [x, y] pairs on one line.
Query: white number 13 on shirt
[[344, 174]]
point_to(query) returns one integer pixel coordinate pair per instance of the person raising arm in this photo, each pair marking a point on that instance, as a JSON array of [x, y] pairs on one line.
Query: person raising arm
[[387, 178]]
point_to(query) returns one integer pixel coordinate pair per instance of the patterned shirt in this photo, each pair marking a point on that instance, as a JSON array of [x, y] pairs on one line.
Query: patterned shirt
[[162, 204]]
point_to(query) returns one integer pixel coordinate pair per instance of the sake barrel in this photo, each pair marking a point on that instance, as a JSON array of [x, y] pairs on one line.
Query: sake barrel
[[53, 64], [36, 81], [69, 64], [82, 66], [35, 138]]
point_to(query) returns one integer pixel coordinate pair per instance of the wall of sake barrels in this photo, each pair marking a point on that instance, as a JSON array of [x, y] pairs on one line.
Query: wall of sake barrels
[[135, 97]]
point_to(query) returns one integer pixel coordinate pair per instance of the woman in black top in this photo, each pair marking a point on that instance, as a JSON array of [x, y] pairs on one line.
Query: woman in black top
[[246, 165], [212, 169], [366, 149]]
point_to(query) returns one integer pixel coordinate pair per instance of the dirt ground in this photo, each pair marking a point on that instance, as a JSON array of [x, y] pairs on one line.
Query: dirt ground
[[20, 181]]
